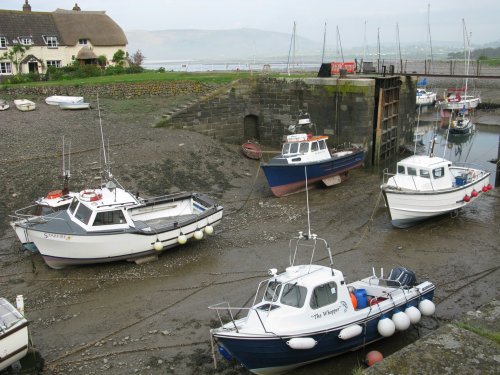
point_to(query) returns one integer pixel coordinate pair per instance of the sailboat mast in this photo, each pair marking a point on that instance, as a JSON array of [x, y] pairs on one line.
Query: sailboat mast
[[292, 44], [324, 42], [340, 44], [466, 56], [399, 48]]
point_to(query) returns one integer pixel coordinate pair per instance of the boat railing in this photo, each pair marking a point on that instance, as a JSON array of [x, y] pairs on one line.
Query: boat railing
[[20, 214], [301, 242], [225, 307]]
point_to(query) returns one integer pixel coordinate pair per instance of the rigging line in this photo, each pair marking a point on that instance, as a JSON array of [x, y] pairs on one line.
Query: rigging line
[[469, 276], [249, 194]]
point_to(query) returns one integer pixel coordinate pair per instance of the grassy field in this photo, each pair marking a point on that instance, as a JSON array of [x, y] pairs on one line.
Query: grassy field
[[207, 77]]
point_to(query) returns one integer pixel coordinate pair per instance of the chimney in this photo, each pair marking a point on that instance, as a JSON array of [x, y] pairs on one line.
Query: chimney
[[26, 6], [76, 7]]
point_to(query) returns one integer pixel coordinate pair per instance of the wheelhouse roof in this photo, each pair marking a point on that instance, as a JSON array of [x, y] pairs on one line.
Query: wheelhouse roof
[[420, 161]]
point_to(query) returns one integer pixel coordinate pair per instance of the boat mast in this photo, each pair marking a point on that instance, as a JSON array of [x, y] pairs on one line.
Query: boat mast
[[467, 49], [428, 38], [399, 48], [324, 42], [364, 46], [339, 43], [292, 43]]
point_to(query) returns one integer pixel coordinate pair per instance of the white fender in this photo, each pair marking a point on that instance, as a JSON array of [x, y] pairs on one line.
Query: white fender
[[386, 327], [350, 332], [401, 321], [427, 307], [302, 343]]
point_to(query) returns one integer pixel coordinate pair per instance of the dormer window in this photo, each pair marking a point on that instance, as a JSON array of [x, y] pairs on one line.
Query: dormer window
[[25, 40], [3, 42], [83, 42], [50, 41]]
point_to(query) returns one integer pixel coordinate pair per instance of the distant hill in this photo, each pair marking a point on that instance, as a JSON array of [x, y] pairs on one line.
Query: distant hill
[[216, 44]]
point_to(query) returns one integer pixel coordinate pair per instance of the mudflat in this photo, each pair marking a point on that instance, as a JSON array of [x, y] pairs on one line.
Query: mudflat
[[152, 318]]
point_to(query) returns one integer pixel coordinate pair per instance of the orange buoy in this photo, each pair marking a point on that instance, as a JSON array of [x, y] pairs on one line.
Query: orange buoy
[[474, 193], [373, 357], [54, 194], [354, 300]]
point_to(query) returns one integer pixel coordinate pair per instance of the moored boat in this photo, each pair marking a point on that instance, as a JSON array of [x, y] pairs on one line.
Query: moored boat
[[251, 150], [424, 97], [428, 186], [462, 124], [24, 105], [14, 338], [4, 105], [74, 106], [63, 99], [309, 312]]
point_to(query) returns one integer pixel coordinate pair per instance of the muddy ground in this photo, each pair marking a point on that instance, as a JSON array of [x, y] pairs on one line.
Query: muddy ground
[[124, 318]]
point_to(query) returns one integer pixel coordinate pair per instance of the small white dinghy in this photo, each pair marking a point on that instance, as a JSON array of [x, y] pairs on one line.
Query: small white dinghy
[[3, 105], [13, 333], [62, 99], [24, 105], [74, 106]]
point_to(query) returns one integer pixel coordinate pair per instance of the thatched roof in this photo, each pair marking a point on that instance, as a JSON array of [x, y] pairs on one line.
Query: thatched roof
[[67, 25], [14, 24], [86, 54], [97, 27]]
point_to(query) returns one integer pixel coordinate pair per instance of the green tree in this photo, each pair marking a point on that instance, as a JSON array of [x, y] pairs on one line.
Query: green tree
[[16, 54], [119, 57]]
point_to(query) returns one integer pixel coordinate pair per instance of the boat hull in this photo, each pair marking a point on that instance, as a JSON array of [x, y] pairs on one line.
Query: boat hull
[[460, 105], [74, 106], [25, 105], [60, 99], [426, 99], [270, 354], [60, 250], [285, 179], [14, 338], [407, 208]]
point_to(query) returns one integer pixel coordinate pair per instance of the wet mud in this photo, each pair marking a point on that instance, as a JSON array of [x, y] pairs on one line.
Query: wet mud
[[152, 318]]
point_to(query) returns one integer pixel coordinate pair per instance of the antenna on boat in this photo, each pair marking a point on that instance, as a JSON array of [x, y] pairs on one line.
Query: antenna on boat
[[416, 134], [307, 204], [106, 162], [66, 172]]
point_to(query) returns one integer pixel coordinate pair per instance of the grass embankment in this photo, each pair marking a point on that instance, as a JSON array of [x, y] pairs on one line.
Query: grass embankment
[[206, 77]]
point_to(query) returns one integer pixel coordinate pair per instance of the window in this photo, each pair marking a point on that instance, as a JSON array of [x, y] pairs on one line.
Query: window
[[72, 206], [438, 172], [51, 41], [401, 169], [293, 295], [272, 291], [5, 68], [54, 63], [324, 295], [294, 148], [314, 146], [425, 173], [25, 41], [109, 218], [3, 42], [286, 148], [412, 171], [83, 213], [322, 144], [304, 148], [83, 42]]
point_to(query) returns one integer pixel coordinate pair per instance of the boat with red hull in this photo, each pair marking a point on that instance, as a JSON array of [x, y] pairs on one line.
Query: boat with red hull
[[251, 150]]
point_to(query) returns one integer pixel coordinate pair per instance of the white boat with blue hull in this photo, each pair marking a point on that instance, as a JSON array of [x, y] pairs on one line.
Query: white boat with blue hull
[[309, 312], [14, 338]]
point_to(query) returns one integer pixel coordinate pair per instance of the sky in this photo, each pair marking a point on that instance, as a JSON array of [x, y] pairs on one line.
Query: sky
[[380, 17]]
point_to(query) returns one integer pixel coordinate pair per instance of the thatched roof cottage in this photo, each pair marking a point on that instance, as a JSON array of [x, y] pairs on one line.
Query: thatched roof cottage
[[57, 38]]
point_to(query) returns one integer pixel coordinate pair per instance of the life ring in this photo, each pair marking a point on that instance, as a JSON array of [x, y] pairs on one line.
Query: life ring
[[90, 195], [54, 194]]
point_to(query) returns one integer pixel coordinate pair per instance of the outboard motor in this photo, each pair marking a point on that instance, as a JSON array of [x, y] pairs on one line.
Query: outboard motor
[[400, 276]]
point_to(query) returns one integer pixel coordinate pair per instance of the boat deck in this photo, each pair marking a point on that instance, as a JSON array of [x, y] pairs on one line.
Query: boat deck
[[162, 222]]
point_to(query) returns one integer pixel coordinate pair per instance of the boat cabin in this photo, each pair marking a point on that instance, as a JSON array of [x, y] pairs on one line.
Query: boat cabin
[[300, 148], [421, 172], [306, 293]]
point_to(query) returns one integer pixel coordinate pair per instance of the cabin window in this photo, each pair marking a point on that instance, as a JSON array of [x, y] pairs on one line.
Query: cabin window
[[294, 148], [3, 42], [314, 146], [304, 148], [401, 169], [73, 205], [83, 213], [109, 218], [5, 68], [324, 295], [322, 144], [412, 171], [438, 172], [425, 173], [286, 148], [293, 295], [272, 291]]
